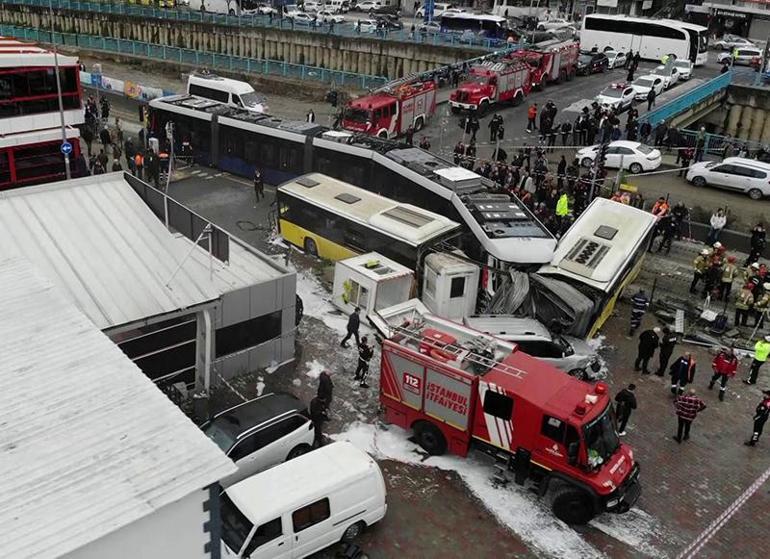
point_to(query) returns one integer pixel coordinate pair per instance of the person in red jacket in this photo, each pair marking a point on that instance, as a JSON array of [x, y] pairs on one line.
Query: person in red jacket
[[724, 364], [687, 406], [531, 117]]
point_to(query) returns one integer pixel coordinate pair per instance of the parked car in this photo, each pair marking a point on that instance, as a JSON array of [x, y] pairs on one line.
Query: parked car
[[746, 56], [637, 157], [685, 69], [669, 74], [390, 21], [367, 25], [592, 62], [733, 173], [616, 59], [312, 5], [327, 16], [366, 6], [729, 42], [643, 84], [571, 355], [266, 9], [429, 28], [554, 23], [261, 433], [438, 9], [302, 18], [619, 96]]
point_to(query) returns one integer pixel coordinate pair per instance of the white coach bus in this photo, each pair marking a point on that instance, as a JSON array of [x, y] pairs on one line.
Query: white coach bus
[[652, 38]]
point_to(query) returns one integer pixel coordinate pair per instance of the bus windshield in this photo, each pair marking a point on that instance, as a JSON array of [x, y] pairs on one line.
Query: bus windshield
[[601, 439]]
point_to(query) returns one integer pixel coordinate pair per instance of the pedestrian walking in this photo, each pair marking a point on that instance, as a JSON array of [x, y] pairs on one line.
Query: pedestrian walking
[[761, 351], [105, 138], [724, 365], [531, 117], [310, 116], [259, 185], [648, 343], [651, 99], [668, 341], [318, 415], [88, 137], [625, 403], [639, 304], [354, 322], [687, 409], [325, 387], [365, 353], [760, 418], [630, 75], [682, 373], [494, 127]]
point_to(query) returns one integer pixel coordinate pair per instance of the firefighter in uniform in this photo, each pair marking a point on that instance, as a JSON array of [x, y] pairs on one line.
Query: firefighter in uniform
[[728, 274], [724, 364], [743, 304], [682, 373], [700, 265], [761, 305], [760, 417]]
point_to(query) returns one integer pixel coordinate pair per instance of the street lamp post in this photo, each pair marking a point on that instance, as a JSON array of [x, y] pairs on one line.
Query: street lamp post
[[67, 171]]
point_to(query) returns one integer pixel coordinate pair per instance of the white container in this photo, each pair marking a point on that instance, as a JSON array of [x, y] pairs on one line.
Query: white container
[[450, 286]]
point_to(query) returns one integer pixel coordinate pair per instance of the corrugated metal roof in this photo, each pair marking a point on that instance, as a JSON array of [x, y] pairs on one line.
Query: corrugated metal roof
[[87, 443], [95, 238]]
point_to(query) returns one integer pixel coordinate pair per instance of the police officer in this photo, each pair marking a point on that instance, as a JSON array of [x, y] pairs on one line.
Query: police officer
[[259, 185], [639, 304], [760, 417], [761, 352], [667, 343], [365, 353], [682, 373]]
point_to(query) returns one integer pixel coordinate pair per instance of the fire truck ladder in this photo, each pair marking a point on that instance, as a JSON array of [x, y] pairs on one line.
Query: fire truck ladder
[[421, 76], [475, 355]]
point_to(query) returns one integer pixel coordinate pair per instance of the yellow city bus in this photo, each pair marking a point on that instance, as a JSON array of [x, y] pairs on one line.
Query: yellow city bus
[[594, 261], [335, 220]]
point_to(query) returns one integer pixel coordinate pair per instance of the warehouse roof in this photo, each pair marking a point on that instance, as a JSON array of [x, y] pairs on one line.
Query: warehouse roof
[[88, 443], [97, 239]]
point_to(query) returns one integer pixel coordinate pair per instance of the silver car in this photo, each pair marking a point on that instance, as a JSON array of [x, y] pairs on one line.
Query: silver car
[[571, 355]]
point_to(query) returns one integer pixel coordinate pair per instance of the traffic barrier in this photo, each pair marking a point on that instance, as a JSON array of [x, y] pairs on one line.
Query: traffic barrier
[[682, 103], [261, 20], [196, 58]]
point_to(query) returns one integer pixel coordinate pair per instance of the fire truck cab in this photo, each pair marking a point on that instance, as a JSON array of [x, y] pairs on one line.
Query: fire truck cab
[[553, 61], [458, 389], [388, 114], [489, 83]]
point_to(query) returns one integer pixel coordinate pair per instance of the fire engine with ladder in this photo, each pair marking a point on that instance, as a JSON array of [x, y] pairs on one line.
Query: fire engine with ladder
[[488, 83], [458, 389], [549, 62]]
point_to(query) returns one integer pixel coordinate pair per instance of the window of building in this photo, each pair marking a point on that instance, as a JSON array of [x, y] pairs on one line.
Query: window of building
[[248, 333], [457, 288], [311, 514]]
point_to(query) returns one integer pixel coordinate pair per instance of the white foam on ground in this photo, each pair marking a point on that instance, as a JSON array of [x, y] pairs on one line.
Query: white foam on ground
[[314, 368], [316, 303], [635, 528], [525, 514]]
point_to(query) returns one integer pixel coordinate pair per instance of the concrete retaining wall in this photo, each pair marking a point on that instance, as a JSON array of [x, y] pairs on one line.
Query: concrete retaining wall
[[361, 55]]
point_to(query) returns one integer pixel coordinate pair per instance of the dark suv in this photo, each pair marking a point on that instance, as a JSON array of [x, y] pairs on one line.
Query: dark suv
[[592, 62]]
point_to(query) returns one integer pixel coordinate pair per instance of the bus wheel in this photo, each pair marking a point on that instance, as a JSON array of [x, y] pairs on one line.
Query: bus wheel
[[572, 505], [231, 12], [310, 247], [419, 124], [430, 438]]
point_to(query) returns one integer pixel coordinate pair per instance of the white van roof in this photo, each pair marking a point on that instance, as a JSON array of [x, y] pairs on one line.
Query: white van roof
[[298, 481], [753, 163], [218, 82]]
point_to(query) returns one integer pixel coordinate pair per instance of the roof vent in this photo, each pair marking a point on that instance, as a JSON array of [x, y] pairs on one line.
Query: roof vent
[[307, 182], [584, 257], [347, 198]]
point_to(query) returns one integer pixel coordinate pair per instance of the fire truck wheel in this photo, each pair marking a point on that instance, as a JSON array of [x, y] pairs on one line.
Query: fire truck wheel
[[572, 505], [430, 438], [353, 532], [483, 107], [419, 124], [310, 247], [518, 99], [570, 75]]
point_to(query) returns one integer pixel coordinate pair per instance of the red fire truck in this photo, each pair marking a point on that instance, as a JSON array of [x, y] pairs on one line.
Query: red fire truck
[[552, 61], [507, 81], [458, 389], [390, 113]]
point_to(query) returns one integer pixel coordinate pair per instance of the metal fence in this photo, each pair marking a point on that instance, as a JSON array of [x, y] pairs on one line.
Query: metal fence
[[347, 29], [688, 99], [722, 146], [197, 58]]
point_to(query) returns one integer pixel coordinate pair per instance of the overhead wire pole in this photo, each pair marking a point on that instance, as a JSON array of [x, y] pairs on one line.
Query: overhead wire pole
[[67, 169]]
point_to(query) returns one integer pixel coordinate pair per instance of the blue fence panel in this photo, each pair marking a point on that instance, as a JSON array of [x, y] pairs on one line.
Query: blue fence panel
[[689, 98]]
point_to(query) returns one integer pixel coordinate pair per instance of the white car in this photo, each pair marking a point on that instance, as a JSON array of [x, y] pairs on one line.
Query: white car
[[617, 59], [670, 76], [312, 5], [367, 6], [729, 42], [637, 157], [685, 69], [261, 433], [265, 10], [643, 84], [733, 173], [740, 56], [327, 16], [301, 18], [367, 25], [555, 23], [429, 28], [438, 9], [618, 96]]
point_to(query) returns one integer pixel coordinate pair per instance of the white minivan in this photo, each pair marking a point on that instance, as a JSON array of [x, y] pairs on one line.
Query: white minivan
[[234, 93], [733, 173], [299, 507]]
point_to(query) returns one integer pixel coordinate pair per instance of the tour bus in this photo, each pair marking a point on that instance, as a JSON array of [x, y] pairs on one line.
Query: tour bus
[[519, 9], [335, 220], [594, 261], [248, 7], [491, 27], [234, 93], [651, 38]]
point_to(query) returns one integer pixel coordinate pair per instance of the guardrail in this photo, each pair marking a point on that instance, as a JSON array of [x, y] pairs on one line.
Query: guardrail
[[196, 58], [682, 103], [181, 13]]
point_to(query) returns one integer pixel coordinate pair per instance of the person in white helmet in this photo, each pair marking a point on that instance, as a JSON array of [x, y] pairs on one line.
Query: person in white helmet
[[762, 306], [700, 265]]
